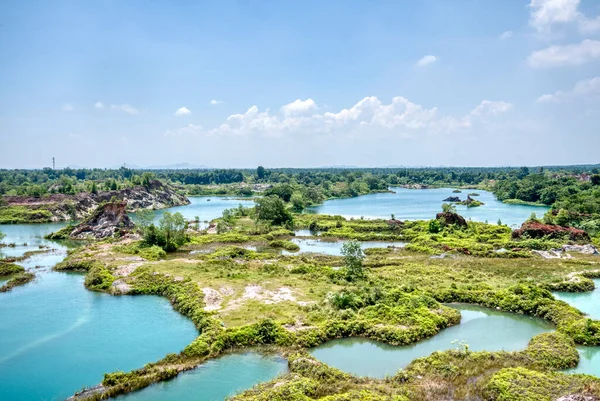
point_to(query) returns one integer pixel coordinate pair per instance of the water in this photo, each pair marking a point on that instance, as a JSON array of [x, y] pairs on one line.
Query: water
[[423, 204], [587, 302], [215, 380], [57, 337], [481, 328], [204, 208], [30, 234], [333, 248]]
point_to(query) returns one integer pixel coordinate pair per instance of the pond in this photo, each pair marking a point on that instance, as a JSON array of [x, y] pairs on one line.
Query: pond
[[587, 302], [423, 204], [57, 337], [214, 380], [480, 328], [333, 248], [206, 208]]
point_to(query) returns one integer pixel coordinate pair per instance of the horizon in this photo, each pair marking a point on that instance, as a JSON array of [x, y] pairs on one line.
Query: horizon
[[473, 83]]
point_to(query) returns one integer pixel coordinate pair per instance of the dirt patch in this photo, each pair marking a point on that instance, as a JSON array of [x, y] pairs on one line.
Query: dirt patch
[[212, 299], [256, 292]]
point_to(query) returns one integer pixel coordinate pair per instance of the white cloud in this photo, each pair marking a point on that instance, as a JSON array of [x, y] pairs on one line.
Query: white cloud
[[426, 60], [574, 54], [401, 117], [588, 87], [67, 107], [506, 35], [126, 108], [215, 102], [183, 111], [545, 14], [299, 107], [99, 106]]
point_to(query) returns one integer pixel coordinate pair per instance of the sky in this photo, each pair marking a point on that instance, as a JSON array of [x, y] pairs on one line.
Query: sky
[[233, 84]]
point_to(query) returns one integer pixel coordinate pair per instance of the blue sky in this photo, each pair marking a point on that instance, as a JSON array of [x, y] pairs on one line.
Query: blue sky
[[299, 84]]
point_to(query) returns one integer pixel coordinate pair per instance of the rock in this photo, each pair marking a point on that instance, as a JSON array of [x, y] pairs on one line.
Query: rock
[[452, 199], [449, 218], [586, 249], [155, 195], [578, 397], [108, 220], [535, 229], [553, 254]]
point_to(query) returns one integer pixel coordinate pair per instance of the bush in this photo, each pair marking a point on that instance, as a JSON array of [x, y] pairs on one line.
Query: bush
[[152, 253]]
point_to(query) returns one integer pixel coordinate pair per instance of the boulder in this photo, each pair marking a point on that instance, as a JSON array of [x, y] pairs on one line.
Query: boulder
[[108, 220], [536, 229], [452, 199], [449, 218]]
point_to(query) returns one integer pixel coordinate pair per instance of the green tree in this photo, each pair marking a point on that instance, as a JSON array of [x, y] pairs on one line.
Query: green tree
[[172, 227], [435, 226], [595, 179], [297, 202], [147, 178], [260, 172], [353, 260], [562, 218], [448, 208], [271, 209], [94, 188], [2, 235]]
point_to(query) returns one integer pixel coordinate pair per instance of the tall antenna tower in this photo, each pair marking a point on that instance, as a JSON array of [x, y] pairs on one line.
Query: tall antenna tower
[[53, 164]]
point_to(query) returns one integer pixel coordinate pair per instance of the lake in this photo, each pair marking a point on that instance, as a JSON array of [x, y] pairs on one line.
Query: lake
[[480, 328], [423, 204]]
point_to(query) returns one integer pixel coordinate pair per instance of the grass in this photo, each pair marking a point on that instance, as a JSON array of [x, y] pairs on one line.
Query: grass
[[264, 299]]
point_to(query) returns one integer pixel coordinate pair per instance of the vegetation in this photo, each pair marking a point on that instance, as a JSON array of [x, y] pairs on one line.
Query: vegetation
[[239, 298]]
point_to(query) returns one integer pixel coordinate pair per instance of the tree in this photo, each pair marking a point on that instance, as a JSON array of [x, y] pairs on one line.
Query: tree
[[353, 258], [172, 227], [147, 178], [271, 209], [94, 188], [595, 179], [260, 172], [284, 191], [435, 226], [2, 235], [297, 202], [562, 218], [448, 208]]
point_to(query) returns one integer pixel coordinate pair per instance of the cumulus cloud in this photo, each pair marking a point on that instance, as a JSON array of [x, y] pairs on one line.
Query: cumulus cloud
[[99, 106], [506, 35], [568, 55], [546, 14], [126, 108], [215, 102], [585, 88], [370, 115], [67, 107], [298, 107], [426, 60], [182, 111]]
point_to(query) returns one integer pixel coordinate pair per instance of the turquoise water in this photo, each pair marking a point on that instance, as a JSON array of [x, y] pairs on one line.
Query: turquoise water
[[481, 328], [57, 337], [587, 302], [423, 204], [333, 248], [30, 234], [215, 380], [204, 208]]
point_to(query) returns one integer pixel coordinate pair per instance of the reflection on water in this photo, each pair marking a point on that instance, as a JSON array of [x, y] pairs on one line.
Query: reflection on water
[[480, 328], [214, 380], [423, 204]]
